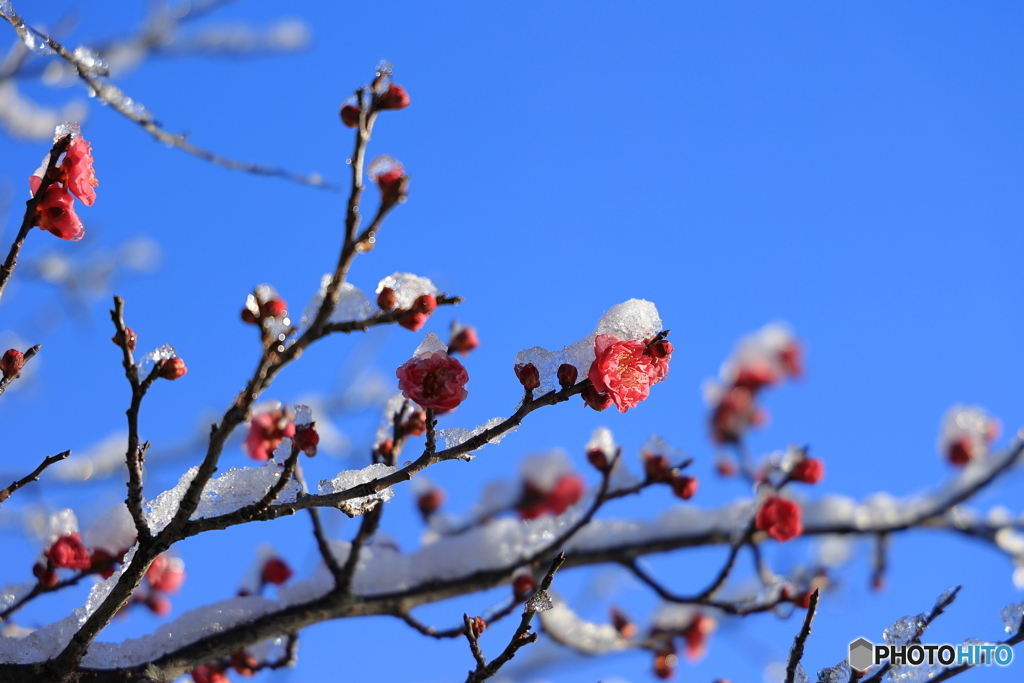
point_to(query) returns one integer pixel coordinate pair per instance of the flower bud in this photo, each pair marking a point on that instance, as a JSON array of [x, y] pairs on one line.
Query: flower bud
[[12, 363], [68, 552], [393, 185], [528, 375], [307, 438], [131, 338], [960, 451], [426, 303], [172, 368], [623, 624], [656, 468], [416, 424], [477, 625], [684, 486], [567, 375], [522, 586], [463, 341], [159, 604], [387, 299], [248, 317], [598, 459], [395, 97], [595, 399], [430, 502], [275, 571], [413, 321], [660, 349], [244, 663], [350, 115], [46, 575], [808, 470], [275, 308], [665, 664]]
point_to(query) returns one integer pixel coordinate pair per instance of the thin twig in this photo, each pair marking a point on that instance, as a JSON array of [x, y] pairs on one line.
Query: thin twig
[[34, 476], [318, 532], [40, 589], [474, 646], [797, 652], [367, 528]]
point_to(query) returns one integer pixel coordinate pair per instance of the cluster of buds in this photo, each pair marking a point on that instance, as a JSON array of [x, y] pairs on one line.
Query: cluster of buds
[[695, 636], [967, 433], [69, 552], [415, 317], [659, 469], [73, 177], [267, 430], [267, 309], [386, 95], [761, 359], [624, 370], [800, 595], [549, 485], [164, 576], [11, 363]]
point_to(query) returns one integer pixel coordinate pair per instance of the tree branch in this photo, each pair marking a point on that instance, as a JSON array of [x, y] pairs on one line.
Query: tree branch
[[5, 493]]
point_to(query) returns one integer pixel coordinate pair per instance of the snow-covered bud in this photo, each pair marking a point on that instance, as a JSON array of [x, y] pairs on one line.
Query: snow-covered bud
[[656, 468], [684, 486], [11, 363], [349, 115], [307, 439], [131, 338], [463, 341], [172, 368], [595, 399], [477, 625], [528, 375], [426, 303], [567, 375], [522, 586], [808, 470], [275, 571], [393, 185], [623, 624], [387, 300], [395, 97], [597, 458], [960, 451], [430, 501]]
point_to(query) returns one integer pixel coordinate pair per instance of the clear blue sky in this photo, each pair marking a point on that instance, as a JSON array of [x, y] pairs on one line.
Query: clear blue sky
[[855, 170]]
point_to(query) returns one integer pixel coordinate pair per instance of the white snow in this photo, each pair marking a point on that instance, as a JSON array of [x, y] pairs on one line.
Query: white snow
[[349, 478], [408, 287], [568, 628], [456, 436]]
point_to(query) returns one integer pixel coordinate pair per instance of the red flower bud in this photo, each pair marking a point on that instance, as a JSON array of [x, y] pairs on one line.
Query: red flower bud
[[413, 321], [416, 424], [385, 448], [102, 563], [67, 552], [430, 502], [166, 574], [275, 308], [244, 663], [395, 97], [464, 341], [780, 517], [478, 625], [808, 470], [47, 577], [387, 299], [623, 624], [350, 115], [567, 375], [172, 368], [665, 664], [656, 468], [660, 349], [684, 487], [528, 375], [275, 571], [307, 439], [960, 451], [568, 490], [598, 459], [12, 363], [392, 185], [159, 604], [209, 673], [426, 303], [522, 586], [596, 400], [131, 338]]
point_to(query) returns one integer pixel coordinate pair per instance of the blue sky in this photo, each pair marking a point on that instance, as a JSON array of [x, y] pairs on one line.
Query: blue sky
[[854, 170]]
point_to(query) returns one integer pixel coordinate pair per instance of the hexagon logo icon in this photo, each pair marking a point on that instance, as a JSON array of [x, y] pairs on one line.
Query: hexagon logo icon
[[861, 654]]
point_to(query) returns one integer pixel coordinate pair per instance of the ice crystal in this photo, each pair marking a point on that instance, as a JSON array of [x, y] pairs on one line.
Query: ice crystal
[[67, 128], [34, 40], [349, 478], [840, 673], [146, 363], [457, 436], [540, 602], [1011, 616], [904, 630], [352, 304]]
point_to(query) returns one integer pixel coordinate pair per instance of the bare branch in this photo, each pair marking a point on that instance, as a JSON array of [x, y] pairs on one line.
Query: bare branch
[[34, 476], [797, 653]]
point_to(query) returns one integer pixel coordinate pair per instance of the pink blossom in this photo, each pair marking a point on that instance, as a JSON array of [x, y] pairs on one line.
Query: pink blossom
[[622, 369], [80, 178], [266, 431], [166, 574], [436, 381], [56, 212]]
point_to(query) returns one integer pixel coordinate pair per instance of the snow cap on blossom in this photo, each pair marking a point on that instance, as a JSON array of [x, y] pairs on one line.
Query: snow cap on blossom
[[966, 434], [266, 431], [432, 378], [11, 363], [405, 288], [780, 517], [601, 448]]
